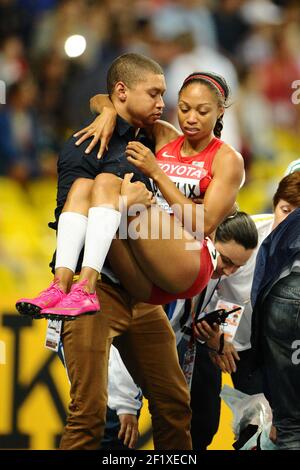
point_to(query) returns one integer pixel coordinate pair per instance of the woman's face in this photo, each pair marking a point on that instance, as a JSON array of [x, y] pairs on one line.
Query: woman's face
[[281, 211], [198, 111]]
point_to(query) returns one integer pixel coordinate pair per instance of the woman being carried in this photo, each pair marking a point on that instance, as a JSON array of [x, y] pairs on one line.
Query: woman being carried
[[158, 269]]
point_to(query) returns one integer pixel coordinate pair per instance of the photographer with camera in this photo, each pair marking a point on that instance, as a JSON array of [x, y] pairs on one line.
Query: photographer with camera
[[235, 239], [237, 355]]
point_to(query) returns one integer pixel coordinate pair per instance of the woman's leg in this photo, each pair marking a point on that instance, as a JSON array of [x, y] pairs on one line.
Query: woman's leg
[[70, 239], [174, 268], [71, 232], [161, 254], [124, 265], [103, 222], [168, 255]]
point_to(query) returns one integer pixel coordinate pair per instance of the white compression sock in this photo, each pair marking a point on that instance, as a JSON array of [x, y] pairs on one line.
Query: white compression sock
[[103, 223], [71, 233]]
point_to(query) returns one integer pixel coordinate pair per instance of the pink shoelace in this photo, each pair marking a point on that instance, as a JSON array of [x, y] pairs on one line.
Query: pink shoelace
[[52, 286], [76, 295]]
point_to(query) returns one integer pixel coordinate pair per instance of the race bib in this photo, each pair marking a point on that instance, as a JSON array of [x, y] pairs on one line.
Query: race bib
[[53, 335], [186, 178], [232, 321]]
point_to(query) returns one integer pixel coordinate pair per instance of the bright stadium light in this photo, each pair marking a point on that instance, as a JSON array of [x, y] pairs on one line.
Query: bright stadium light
[[75, 45]]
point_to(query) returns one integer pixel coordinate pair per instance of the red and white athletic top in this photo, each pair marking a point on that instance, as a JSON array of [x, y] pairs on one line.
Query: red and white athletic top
[[191, 175]]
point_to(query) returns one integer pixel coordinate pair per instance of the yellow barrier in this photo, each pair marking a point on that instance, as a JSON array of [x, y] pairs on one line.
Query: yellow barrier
[[34, 389]]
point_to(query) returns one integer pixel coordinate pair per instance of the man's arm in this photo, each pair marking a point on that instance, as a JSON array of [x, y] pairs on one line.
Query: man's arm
[[129, 431], [124, 397]]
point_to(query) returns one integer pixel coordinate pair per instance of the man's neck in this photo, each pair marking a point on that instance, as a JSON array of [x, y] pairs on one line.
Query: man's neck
[[123, 113]]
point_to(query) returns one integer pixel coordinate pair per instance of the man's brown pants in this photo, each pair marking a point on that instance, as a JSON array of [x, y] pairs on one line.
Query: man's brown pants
[[146, 341]]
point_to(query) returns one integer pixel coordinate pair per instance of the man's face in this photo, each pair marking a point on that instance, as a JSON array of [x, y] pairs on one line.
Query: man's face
[[232, 257], [144, 101]]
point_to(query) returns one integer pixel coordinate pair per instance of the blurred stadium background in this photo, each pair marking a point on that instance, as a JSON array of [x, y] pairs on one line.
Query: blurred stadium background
[[46, 80]]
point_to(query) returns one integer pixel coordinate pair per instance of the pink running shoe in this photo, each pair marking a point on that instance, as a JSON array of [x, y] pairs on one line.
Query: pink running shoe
[[77, 302], [47, 298]]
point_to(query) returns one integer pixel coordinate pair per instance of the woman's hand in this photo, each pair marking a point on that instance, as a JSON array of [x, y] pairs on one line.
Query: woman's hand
[[101, 129], [135, 193], [226, 360], [142, 158]]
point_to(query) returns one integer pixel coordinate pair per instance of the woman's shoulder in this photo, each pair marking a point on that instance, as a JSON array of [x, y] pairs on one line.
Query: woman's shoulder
[[228, 160], [164, 133], [230, 153]]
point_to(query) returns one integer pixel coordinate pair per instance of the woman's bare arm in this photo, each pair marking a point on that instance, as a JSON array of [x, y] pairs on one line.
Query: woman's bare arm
[[223, 189], [219, 197], [98, 102], [102, 128], [163, 132]]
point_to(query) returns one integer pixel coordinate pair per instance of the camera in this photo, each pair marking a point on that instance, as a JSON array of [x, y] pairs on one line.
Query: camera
[[217, 316]]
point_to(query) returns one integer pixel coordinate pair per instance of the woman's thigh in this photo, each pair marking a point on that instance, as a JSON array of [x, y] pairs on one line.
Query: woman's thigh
[[130, 275], [167, 254]]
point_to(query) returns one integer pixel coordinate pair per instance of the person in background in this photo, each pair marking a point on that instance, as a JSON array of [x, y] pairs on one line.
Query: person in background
[[237, 289], [275, 336], [236, 239], [237, 356]]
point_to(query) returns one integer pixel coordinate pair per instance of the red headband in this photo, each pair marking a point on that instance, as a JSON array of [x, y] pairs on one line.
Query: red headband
[[209, 79]]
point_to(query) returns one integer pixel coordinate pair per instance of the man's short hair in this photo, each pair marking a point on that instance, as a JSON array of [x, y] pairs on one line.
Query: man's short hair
[[130, 69]]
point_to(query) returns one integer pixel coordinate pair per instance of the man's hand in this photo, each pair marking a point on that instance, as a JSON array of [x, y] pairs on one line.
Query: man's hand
[[142, 158], [273, 434], [101, 129], [136, 193], [129, 431], [211, 335]]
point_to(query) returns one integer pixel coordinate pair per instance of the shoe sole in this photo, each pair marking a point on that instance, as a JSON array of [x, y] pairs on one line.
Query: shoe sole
[[26, 308], [54, 316]]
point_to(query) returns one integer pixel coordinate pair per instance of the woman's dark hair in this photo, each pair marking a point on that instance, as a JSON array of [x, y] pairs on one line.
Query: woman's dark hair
[[288, 190], [217, 84], [239, 228]]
